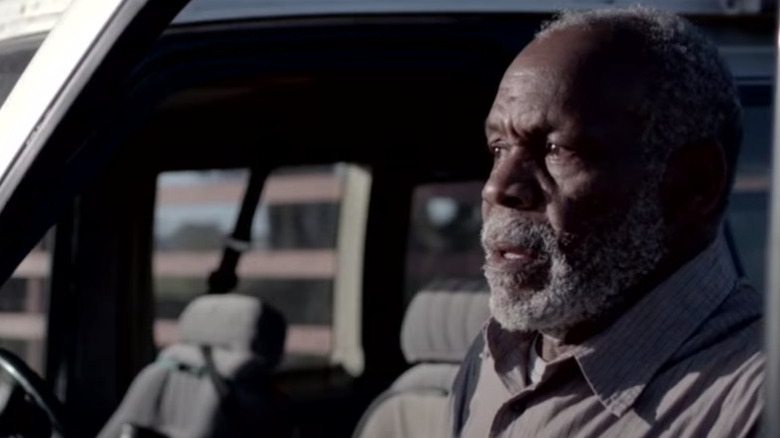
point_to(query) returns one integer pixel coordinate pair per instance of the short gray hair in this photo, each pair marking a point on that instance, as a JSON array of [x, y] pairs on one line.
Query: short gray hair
[[691, 93]]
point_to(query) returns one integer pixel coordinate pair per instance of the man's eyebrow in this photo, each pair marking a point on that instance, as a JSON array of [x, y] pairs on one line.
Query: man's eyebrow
[[492, 125]]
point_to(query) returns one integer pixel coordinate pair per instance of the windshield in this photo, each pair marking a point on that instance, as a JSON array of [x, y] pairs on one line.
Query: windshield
[[24, 24], [14, 57]]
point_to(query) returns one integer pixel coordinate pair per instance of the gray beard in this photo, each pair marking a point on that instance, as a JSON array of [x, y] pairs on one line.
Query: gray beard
[[575, 278]]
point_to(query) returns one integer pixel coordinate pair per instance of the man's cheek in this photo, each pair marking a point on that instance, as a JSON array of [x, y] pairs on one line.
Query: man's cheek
[[575, 205], [566, 218], [486, 207]]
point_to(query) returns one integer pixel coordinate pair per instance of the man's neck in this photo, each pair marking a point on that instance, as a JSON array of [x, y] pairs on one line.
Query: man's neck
[[552, 348]]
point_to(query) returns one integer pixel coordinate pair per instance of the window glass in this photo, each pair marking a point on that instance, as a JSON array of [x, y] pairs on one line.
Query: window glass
[[291, 265], [444, 234], [749, 207], [13, 60], [24, 25], [24, 301]]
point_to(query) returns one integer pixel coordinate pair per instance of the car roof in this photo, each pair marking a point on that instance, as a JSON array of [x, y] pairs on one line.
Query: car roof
[[215, 10], [28, 17]]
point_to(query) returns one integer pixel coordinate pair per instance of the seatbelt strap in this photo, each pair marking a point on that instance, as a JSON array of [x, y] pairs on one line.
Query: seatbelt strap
[[465, 384], [220, 385], [224, 278], [228, 403]]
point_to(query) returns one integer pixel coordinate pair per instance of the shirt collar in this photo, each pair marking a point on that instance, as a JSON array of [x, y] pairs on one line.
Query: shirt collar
[[619, 362]]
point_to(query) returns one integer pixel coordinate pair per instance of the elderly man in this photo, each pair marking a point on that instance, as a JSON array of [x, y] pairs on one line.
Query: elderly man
[[616, 307]]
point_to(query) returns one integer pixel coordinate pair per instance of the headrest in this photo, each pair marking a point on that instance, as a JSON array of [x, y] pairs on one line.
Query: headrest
[[234, 322], [443, 320]]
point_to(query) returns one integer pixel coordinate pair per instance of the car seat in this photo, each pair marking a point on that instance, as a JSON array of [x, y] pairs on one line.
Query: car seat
[[215, 381], [438, 328]]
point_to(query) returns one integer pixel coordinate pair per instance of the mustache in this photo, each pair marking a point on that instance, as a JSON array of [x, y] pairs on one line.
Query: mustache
[[507, 230]]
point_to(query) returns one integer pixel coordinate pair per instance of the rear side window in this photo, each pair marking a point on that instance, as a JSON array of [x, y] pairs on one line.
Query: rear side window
[[444, 234], [292, 262]]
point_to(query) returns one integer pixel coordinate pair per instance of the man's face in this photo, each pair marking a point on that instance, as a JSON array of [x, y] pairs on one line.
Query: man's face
[[572, 215]]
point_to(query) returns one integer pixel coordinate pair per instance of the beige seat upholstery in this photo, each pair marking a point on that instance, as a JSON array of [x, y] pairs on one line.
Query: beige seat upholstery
[[176, 395], [438, 329]]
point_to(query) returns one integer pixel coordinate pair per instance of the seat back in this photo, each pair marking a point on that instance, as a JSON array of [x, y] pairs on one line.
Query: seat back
[[439, 325], [234, 339]]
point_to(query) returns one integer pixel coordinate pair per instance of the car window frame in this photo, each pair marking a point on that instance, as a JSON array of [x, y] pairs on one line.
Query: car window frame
[[103, 39], [770, 425]]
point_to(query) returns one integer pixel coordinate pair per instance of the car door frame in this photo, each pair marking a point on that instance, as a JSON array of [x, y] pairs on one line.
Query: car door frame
[[47, 135], [48, 120]]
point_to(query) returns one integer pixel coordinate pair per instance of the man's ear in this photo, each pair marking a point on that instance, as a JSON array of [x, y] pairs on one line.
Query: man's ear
[[694, 183]]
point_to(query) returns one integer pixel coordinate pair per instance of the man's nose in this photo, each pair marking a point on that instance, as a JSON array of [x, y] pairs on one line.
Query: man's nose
[[513, 184]]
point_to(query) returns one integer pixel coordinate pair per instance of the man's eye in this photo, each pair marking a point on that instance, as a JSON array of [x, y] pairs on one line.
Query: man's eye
[[496, 150], [554, 151]]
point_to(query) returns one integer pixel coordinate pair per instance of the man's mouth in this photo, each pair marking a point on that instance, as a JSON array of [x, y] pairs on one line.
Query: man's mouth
[[517, 254], [529, 265], [516, 258]]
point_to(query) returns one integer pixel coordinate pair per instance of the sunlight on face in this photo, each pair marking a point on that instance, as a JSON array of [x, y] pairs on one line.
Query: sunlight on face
[[570, 279]]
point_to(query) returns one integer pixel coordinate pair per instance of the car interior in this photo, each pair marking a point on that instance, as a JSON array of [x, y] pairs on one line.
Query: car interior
[[390, 107]]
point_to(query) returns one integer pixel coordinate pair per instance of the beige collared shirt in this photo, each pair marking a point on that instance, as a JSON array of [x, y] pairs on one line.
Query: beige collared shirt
[[683, 362]]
